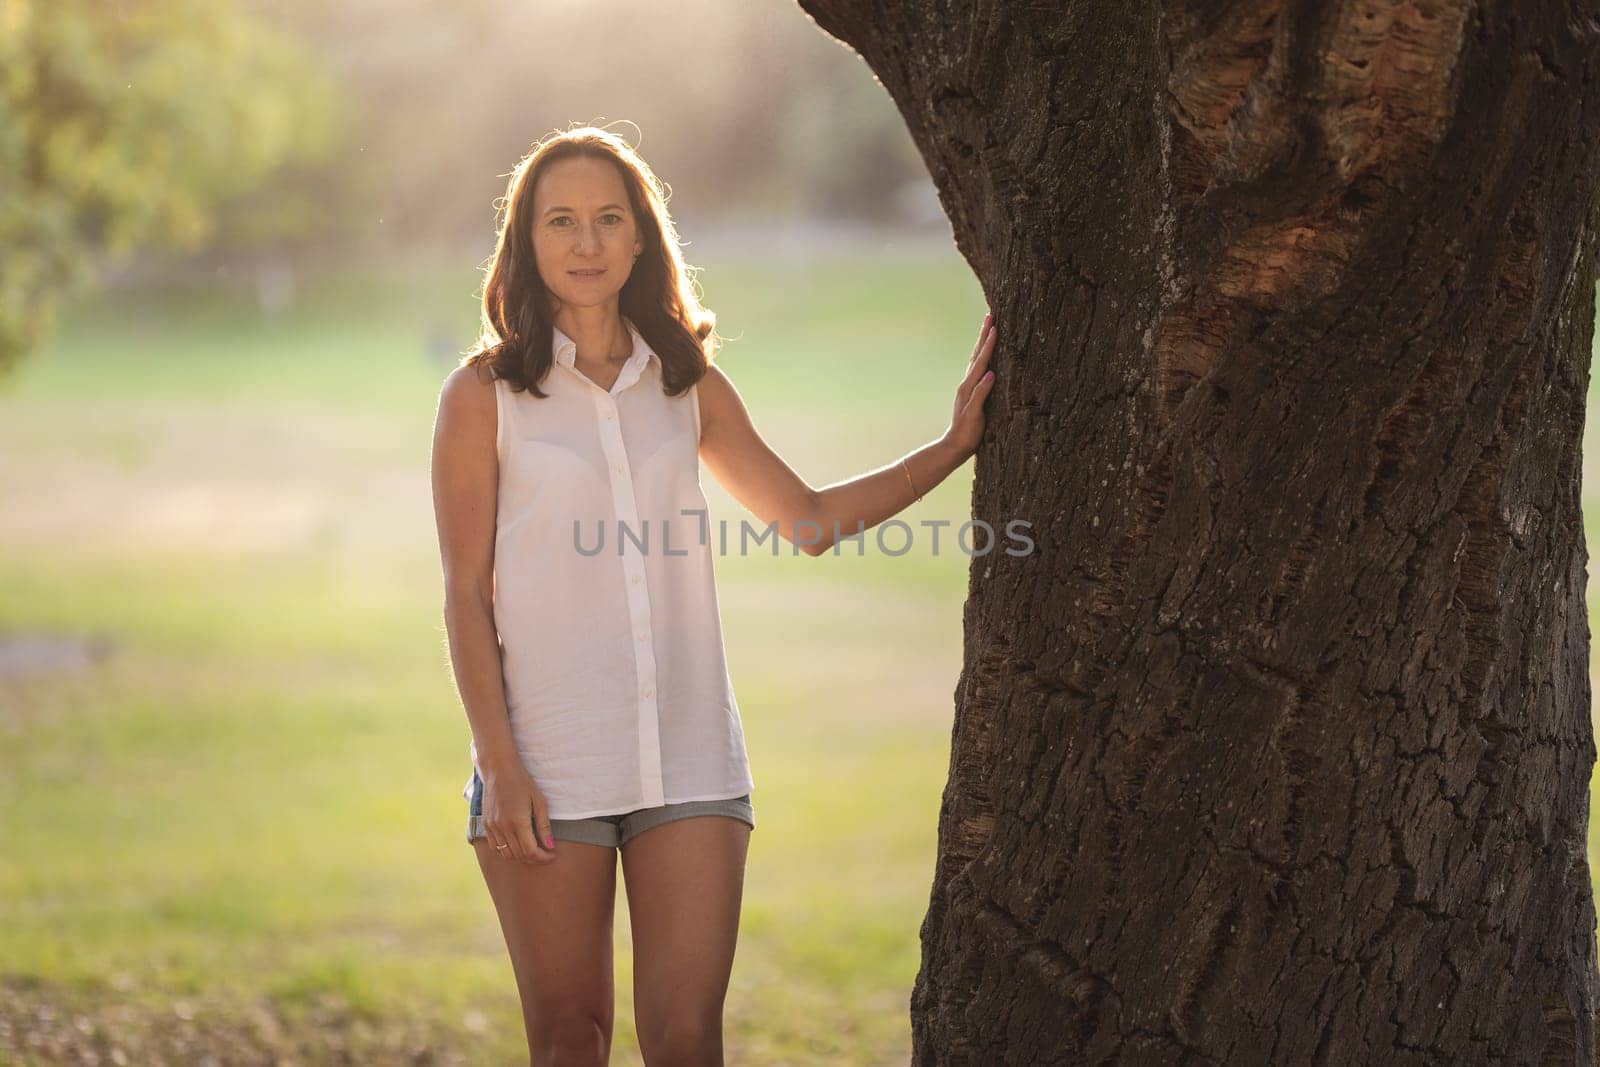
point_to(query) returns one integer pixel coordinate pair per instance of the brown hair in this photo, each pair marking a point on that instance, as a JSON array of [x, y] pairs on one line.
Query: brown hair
[[659, 297]]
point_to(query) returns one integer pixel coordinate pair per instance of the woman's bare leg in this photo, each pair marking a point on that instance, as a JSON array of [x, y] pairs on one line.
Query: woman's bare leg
[[557, 920], [685, 881]]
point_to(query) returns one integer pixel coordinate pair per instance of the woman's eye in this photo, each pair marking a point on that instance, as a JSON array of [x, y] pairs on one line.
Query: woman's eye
[[608, 215]]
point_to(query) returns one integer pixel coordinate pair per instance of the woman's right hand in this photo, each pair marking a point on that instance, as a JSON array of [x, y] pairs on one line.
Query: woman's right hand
[[512, 806]]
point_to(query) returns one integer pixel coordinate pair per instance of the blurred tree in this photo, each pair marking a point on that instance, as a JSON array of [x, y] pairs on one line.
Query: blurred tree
[[740, 107], [339, 134], [416, 80], [1277, 749], [125, 125], [850, 155]]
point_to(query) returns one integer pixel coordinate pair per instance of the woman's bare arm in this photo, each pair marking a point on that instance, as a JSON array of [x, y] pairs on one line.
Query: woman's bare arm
[[743, 463], [465, 480]]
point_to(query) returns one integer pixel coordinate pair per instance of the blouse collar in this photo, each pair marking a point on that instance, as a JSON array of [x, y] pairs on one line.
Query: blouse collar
[[566, 352]]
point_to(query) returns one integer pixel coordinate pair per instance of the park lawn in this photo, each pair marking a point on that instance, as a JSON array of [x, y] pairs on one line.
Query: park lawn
[[251, 805]]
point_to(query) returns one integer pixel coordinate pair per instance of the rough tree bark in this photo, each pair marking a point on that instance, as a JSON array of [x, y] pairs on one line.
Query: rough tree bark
[[1278, 748]]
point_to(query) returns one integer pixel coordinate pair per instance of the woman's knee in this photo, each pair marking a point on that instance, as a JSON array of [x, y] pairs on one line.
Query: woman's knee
[[576, 1035], [684, 1041]]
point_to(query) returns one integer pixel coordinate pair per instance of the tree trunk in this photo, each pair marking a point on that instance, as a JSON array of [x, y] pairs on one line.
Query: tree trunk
[[1277, 749]]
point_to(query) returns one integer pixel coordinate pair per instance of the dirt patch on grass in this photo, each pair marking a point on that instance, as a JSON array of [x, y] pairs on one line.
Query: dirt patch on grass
[[25, 655], [43, 1023]]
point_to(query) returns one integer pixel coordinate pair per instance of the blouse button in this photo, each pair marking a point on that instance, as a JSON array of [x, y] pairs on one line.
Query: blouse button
[[635, 579], [649, 691]]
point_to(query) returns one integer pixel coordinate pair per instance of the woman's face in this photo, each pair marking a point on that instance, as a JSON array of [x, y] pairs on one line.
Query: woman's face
[[585, 235]]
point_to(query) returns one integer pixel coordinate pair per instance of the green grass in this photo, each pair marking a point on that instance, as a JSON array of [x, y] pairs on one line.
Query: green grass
[[257, 793]]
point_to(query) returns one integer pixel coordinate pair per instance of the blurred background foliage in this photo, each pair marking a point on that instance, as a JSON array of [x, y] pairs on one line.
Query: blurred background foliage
[[153, 141], [141, 127]]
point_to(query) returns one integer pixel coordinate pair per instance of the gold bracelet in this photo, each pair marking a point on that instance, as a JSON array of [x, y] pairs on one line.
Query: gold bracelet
[[907, 468]]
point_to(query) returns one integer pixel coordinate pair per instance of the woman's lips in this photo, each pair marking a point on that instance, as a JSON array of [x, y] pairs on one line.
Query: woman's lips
[[587, 273]]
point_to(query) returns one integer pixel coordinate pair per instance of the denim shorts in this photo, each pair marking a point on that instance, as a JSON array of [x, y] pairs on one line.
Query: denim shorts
[[614, 831]]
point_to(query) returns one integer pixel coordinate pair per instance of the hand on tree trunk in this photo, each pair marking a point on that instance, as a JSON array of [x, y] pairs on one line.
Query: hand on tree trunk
[[966, 424]]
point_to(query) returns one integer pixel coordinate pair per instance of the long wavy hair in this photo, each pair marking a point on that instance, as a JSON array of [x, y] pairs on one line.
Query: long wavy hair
[[660, 296]]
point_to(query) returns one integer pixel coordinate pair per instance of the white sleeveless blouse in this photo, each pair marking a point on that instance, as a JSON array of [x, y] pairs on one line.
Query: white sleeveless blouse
[[616, 679]]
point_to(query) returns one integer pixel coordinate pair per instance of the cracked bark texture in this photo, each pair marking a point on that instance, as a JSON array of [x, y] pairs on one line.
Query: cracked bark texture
[[1278, 748]]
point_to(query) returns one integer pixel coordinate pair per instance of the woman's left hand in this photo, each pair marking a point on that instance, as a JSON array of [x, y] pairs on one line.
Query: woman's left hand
[[966, 425]]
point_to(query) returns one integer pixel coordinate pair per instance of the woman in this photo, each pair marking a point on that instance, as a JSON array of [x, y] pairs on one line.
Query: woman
[[595, 683]]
